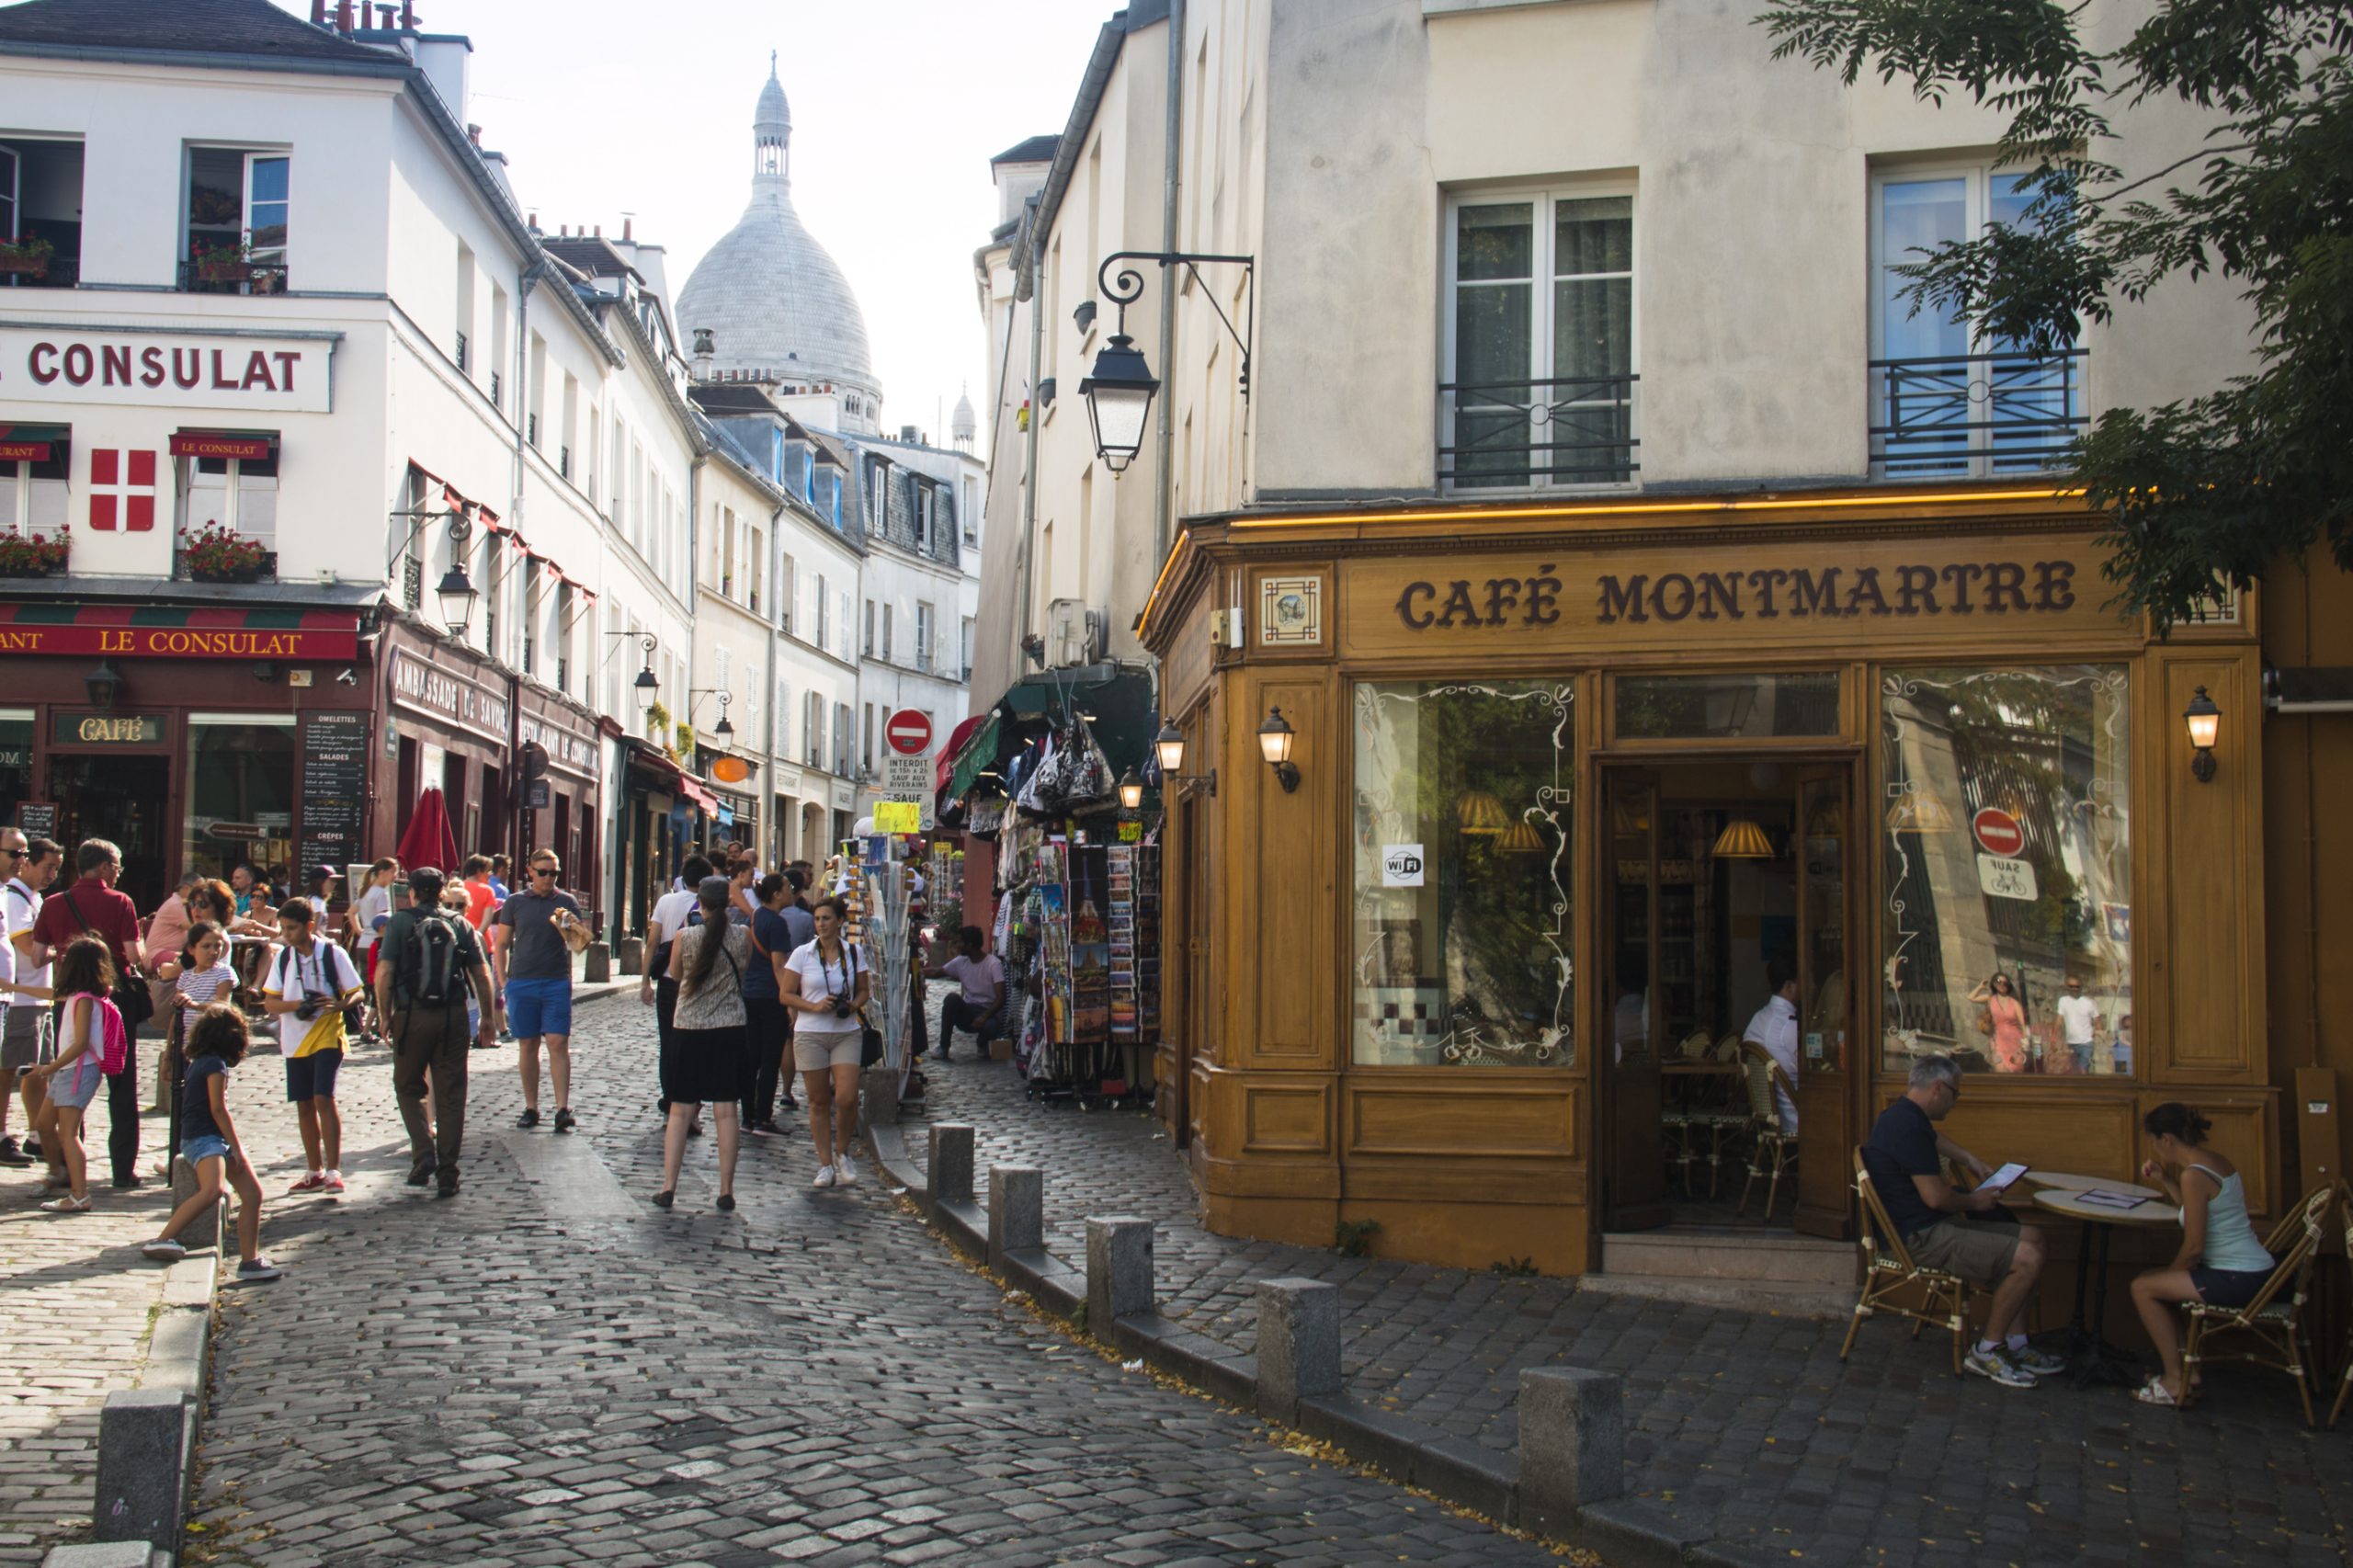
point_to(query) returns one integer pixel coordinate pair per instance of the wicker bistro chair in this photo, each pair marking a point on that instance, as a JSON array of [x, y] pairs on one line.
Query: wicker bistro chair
[[2274, 1321], [1893, 1283], [1716, 1127], [1680, 1120], [1777, 1152]]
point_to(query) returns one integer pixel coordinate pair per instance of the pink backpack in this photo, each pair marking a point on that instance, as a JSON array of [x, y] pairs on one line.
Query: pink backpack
[[115, 1052]]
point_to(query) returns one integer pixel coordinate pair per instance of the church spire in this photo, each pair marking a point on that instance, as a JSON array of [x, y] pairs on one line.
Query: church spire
[[772, 129]]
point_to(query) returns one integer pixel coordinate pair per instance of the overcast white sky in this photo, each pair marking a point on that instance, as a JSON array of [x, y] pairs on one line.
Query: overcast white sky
[[607, 107]]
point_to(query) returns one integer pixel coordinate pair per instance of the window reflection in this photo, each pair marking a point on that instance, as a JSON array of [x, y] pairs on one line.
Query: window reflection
[[1462, 931], [2009, 868]]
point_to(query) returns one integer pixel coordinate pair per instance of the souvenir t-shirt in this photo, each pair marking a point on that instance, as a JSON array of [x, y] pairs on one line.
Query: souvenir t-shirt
[[325, 972], [195, 1100], [820, 980], [536, 950]]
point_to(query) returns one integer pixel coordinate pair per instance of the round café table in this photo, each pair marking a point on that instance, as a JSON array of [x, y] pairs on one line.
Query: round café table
[[2067, 1182], [2095, 1359]]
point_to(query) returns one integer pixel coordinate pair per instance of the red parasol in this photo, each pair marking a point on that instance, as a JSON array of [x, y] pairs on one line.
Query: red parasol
[[428, 841]]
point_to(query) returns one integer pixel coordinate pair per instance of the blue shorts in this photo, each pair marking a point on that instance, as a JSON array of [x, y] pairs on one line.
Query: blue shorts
[[312, 1077], [195, 1151], [536, 1007], [77, 1085]]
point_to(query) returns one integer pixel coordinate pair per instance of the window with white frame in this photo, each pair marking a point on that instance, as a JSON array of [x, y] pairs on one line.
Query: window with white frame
[[842, 739], [820, 628], [890, 638], [972, 512], [239, 494], [868, 646], [923, 635], [1947, 397], [966, 644], [34, 462], [788, 596], [1539, 344], [812, 725], [927, 514], [238, 219]]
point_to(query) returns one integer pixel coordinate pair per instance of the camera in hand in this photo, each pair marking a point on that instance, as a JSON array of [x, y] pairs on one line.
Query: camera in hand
[[841, 1009], [312, 1006]]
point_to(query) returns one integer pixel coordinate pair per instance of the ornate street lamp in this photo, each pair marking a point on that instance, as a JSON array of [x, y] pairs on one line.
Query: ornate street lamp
[[1118, 392]]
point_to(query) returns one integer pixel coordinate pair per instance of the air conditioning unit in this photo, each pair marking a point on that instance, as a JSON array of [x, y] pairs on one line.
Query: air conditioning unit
[[1074, 634]]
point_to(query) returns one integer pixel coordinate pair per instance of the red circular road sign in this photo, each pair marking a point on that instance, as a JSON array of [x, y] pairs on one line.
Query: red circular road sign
[[1998, 831], [909, 732]]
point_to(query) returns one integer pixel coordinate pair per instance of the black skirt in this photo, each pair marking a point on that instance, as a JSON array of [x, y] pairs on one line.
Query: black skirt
[[707, 1066]]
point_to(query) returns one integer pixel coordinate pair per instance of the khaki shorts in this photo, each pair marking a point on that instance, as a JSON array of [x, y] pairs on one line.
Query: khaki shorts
[[816, 1053], [1975, 1250]]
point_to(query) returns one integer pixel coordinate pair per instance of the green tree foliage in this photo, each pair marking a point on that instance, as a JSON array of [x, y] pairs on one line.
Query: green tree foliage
[[2259, 470]]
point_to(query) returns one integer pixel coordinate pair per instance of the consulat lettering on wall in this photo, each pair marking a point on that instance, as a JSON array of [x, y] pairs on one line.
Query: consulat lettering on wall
[[47, 365]]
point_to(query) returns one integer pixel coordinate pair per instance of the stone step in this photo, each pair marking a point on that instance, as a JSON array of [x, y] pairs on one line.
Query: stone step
[[1740, 1256], [1787, 1297]]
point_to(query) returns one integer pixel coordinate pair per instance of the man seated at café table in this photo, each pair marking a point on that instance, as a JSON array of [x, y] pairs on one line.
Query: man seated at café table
[[1964, 1233]]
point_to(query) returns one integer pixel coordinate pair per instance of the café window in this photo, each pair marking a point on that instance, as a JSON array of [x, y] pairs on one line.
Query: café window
[[1460, 940], [16, 760], [2007, 868], [34, 462], [240, 791], [1742, 707], [228, 478]]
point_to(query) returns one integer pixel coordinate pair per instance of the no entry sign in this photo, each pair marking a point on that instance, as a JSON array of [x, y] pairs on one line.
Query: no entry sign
[[909, 732], [1997, 831]]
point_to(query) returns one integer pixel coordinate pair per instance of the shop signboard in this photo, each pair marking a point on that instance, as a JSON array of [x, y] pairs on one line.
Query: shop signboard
[[335, 788], [907, 776], [105, 729], [38, 819], [425, 687], [2002, 877], [169, 369]]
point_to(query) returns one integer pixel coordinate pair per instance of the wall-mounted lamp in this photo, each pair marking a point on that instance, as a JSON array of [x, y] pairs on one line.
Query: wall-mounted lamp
[[1118, 390], [723, 729], [647, 685], [102, 684], [1130, 790], [2205, 722], [1274, 744], [1170, 746]]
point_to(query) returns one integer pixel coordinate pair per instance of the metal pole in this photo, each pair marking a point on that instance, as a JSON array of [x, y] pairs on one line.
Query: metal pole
[[1164, 490]]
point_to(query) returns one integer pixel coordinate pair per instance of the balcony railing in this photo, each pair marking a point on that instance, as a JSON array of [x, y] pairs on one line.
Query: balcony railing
[[59, 270], [1513, 435], [1942, 415], [230, 277]]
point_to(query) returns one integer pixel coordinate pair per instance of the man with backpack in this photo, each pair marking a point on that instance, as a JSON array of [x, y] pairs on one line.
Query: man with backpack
[[425, 965]]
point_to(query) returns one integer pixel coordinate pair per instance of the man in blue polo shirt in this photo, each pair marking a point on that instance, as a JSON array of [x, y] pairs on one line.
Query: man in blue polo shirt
[[1962, 1234]]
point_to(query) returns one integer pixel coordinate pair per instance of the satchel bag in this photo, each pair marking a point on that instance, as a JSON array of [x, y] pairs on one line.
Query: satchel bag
[[131, 1000], [1985, 1020]]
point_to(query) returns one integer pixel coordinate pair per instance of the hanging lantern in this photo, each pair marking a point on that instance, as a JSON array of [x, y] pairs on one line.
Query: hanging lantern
[[1917, 813], [1743, 840], [1480, 812], [1523, 839]]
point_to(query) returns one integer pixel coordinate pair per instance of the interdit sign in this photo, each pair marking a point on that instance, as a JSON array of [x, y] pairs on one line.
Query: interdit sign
[[257, 375]]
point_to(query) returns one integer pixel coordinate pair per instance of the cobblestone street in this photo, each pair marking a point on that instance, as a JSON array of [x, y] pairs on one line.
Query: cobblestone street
[[550, 1371], [1742, 1423]]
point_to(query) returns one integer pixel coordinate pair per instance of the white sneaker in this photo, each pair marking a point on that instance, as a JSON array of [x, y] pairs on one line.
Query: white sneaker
[[825, 1177], [844, 1173]]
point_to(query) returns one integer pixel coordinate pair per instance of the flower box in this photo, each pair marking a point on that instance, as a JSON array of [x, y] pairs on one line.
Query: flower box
[[17, 264], [34, 555], [217, 555]]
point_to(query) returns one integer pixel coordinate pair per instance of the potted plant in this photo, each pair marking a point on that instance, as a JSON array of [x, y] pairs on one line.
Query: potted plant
[[233, 264], [33, 555], [26, 256], [220, 554]]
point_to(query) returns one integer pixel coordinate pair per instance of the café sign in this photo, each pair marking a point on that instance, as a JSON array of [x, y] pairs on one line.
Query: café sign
[[165, 368], [105, 729]]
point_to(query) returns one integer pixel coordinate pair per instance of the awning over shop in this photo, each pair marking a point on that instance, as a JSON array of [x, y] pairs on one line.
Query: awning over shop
[[1118, 703], [972, 753], [179, 632], [662, 772]]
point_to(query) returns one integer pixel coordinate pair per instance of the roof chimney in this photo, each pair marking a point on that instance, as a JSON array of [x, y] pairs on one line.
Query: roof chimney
[[343, 15], [408, 16], [702, 354], [534, 224], [473, 134], [627, 225], [318, 13], [600, 230]]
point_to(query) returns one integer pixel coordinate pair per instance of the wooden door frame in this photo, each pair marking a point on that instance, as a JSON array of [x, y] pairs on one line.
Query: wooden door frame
[[1823, 1163], [1607, 778]]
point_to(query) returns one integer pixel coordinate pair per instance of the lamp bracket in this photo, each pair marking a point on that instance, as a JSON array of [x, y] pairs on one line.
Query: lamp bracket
[[1125, 287]]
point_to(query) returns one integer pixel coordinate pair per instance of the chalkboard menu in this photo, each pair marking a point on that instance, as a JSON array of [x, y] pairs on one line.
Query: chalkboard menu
[[38, 819], [335, 790]]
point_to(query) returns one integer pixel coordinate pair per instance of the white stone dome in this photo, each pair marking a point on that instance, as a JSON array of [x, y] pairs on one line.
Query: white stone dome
[[772, 299]]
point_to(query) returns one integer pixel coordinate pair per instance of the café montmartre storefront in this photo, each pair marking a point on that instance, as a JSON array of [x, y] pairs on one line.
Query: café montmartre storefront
[[1563, 781]]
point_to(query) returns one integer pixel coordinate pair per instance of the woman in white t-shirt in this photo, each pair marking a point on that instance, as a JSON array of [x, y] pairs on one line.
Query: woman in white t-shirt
[[826, 983]]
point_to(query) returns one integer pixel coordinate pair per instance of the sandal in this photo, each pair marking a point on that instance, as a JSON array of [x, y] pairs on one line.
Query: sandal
[[69, 1204], [2154, 1392]]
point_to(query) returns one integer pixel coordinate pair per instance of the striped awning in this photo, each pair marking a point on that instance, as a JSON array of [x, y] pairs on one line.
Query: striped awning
[[179, 631]]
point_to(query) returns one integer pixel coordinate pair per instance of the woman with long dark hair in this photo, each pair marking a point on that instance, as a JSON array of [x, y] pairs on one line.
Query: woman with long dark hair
[[2004, 1022], [2222, 1261], [84, 984], [828, 985], [708, 1047]]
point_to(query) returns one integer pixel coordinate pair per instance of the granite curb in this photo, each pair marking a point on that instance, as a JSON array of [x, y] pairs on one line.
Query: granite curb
[[1626, 1531]]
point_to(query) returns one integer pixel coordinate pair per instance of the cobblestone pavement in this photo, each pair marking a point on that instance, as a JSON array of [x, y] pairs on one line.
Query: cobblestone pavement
[[77, 1303], [548, 1369], [1745, 1425]]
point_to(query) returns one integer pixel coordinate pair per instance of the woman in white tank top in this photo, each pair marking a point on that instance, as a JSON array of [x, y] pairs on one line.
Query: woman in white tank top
[[2222, 1261]]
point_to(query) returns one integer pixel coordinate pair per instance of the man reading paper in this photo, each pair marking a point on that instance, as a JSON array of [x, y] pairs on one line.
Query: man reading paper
[[1962, 1234]]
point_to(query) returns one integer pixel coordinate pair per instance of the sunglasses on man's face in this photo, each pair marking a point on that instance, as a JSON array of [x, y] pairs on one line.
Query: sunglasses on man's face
[[547, 871]]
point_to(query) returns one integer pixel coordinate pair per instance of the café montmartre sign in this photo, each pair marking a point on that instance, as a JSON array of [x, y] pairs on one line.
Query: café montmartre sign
[[1964, 587]]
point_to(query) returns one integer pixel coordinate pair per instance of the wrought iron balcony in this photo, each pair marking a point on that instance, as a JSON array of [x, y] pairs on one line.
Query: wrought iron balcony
[[1942, 415], [230, 275], [1515, 435]]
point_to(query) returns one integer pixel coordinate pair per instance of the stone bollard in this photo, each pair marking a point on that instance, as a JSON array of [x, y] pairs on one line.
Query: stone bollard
[[205, 1230], [1118, 1271], [878, 1097], [1571, 1443], [633, 955], [597, 965], [1299, 1344], [143, 1435], [1016, 1210], [947, 1174]]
